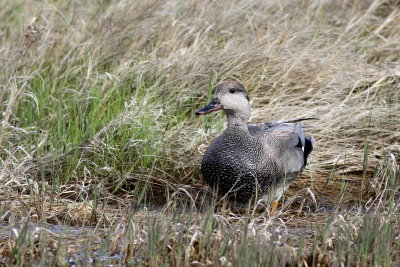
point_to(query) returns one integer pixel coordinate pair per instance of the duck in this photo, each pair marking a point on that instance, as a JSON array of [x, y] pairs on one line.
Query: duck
[[252, 161]]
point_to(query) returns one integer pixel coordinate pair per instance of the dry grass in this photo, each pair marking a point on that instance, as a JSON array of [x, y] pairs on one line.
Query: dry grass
[[97, 101]]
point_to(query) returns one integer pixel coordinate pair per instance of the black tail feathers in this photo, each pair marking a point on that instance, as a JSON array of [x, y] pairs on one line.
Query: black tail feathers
[[308, 147]]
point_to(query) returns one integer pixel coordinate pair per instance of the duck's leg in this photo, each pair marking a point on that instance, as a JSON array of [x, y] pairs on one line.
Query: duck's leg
[[274, 206], [279, 190]]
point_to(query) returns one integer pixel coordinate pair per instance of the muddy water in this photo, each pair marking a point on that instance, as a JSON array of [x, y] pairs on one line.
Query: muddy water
[[80, 244], [69, 236]]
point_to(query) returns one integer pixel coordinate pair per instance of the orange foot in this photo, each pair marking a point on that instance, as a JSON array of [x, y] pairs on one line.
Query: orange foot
[[274, 205]]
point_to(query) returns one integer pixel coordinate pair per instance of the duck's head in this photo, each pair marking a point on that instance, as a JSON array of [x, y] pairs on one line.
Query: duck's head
[[232, 98]]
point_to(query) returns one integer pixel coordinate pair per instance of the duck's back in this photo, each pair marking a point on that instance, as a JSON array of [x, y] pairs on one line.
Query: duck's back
[[237, 164]]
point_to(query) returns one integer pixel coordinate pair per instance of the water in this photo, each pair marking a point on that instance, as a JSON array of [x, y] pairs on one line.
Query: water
[[88, 245]]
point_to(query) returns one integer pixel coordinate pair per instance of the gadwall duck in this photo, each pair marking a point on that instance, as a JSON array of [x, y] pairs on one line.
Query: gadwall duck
[[252, 161]]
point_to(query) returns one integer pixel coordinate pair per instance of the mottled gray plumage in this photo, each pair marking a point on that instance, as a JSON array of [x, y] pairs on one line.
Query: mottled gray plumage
[[246, 160]]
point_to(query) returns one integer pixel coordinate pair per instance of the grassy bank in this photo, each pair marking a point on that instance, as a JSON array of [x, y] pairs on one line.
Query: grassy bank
[[97, 102]]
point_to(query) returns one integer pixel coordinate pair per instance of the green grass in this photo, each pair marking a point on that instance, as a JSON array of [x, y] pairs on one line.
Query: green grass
[[181, 237]]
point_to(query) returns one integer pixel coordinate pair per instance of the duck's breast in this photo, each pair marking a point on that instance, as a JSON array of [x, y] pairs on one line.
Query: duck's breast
[[236, 161]]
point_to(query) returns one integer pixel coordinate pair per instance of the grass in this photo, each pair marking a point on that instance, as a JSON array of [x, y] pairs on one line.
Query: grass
[[100, 148]]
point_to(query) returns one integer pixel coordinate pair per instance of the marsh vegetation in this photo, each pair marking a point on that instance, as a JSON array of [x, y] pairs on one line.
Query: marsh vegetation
[[100, 149]]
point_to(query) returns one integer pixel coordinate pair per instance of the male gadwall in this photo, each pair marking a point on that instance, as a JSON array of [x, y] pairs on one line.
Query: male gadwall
[[247, 161]]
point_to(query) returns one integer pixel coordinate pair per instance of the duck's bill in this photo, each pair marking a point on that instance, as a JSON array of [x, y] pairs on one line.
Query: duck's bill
[[214, 105]]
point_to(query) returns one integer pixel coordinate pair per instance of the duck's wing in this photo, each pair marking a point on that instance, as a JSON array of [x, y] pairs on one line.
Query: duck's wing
[[265, 126], [285, 140]]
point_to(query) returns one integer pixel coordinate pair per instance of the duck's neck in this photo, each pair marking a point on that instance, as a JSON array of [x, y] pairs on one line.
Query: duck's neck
[[237, 119]]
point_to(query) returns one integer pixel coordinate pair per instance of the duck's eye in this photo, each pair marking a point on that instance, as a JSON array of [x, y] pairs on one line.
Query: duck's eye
[[232, 90]]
